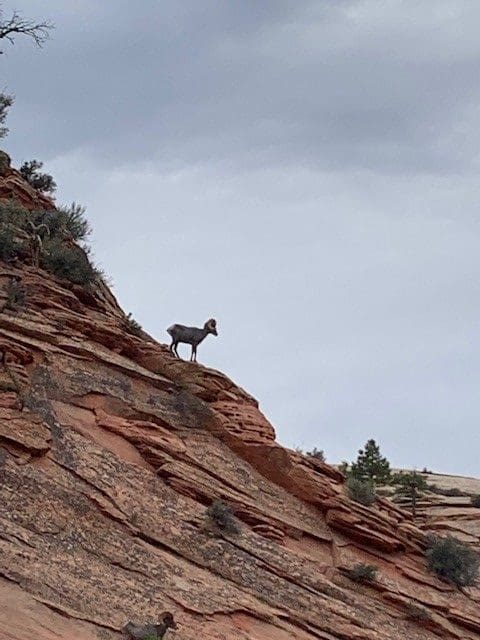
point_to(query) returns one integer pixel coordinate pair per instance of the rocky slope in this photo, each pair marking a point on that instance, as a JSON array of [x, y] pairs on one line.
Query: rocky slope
[[110, 452]]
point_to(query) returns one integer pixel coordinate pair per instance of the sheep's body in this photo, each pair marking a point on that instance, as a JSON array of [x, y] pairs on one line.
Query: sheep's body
[[190, 335], [140, 632], [144, 631]]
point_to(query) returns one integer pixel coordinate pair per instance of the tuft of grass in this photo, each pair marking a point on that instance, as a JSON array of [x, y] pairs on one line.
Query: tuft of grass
[[417, 613], [475, 500], [222, 515], [453, 560], [132, 326], [363, 573], [361, 491]]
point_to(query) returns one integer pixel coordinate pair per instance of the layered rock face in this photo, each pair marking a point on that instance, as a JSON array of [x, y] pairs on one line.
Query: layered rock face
[[111, 451]]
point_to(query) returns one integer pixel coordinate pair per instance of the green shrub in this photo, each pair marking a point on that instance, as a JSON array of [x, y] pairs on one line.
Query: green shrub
[[64, 222], [74, 221], [13, 214], [363, 573], [453, 560], [62, 228], [222, 515], [70, 263], [132, 326], [417, 613], [42, 182], [475, 500], [361, 491], [319, 454], [407, 482], [9, 246], [441, 491]]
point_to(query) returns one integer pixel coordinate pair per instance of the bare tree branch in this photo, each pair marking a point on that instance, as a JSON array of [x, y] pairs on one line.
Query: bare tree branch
[[16, 25]]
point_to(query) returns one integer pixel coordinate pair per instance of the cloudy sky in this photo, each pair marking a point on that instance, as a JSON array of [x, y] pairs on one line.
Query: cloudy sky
[[305, 171]]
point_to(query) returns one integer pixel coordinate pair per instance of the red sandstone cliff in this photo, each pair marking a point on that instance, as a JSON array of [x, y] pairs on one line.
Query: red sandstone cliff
[[110, 452]]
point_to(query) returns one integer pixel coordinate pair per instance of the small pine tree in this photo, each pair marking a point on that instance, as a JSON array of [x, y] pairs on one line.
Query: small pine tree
[[410, 484], [371, 466]]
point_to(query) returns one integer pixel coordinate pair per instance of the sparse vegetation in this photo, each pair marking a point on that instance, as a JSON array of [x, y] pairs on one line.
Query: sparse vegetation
[[410, 484], [7, 384], [59, 231], [16, 295], [343, 467], [69, 221], [363, 573], [475, 500], [370, 465], [132, 326], [453, 560], [222, 515], [67, 262], [42, 182], [446, 491], [5, 103], [405, 480], [319, 454], [361, 491], [8, 243], [417, 613]]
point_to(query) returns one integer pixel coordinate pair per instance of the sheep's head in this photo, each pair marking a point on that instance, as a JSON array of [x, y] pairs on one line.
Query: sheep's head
[[166, 618], [211, 326]]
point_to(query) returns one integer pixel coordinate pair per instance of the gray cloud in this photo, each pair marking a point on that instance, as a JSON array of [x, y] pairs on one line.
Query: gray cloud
[[306, 172], [329, 85]]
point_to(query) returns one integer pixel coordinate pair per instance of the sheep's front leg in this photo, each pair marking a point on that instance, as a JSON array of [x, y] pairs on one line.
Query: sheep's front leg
[[193, 357]]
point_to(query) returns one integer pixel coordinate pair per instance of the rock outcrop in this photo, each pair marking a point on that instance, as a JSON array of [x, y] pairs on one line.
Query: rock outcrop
[[110, 452]]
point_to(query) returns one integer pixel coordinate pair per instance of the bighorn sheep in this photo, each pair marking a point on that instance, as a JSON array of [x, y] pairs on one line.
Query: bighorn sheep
[[141, 632], [36, 243], [190, 335]]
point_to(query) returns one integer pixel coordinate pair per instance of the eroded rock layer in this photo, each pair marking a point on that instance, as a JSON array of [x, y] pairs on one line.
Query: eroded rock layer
[[110, 452]]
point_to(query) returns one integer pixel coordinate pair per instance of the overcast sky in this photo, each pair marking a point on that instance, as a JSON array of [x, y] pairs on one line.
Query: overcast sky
[[306, 172]]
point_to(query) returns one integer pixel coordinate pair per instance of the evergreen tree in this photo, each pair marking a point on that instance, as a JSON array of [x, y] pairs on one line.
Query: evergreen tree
[[371, 466], [411, 485]]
